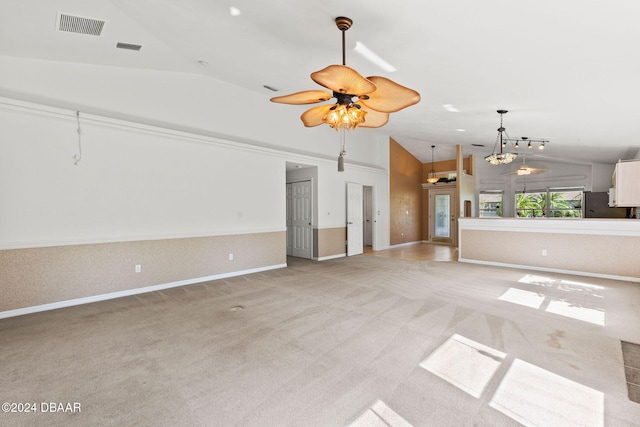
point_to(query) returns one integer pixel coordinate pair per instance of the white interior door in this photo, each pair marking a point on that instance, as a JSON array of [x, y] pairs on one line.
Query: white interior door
[[301, 219], [355, 219]]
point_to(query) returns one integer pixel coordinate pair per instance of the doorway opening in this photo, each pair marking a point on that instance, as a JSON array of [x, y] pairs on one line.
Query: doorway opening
[[360, 218], [369, 217]]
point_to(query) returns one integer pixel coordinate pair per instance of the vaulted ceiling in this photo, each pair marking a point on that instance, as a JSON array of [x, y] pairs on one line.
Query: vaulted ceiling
[[567, 71]]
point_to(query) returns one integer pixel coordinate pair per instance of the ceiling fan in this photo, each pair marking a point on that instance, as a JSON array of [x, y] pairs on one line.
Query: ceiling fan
[[525, 170], [360, 101]]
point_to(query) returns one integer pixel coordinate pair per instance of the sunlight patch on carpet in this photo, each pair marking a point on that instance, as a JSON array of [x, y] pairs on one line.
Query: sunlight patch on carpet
[[568, 309], [525, 298], [380, 415], [583, 302], [464, 363], [531, 279], [534, 396]]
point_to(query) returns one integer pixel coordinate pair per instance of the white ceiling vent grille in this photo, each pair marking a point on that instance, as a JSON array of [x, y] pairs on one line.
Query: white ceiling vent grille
[[79, 24]]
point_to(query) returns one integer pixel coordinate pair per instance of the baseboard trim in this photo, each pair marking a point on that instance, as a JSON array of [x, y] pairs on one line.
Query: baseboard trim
[[552, 270], [136, 291], [325, 258], [399, 245]]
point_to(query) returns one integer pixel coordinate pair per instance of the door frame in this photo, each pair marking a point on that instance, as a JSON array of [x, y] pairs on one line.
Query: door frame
[[311, 213], [354, 220], [369, 203], [453, 209]]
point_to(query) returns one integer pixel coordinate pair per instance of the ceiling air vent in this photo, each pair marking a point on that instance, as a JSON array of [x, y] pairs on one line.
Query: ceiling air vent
[[80, 25], [130, 46]]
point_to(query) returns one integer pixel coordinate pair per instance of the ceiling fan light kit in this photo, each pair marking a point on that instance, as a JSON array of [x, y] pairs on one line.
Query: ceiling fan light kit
[[525, 170], [500, 154], [360, 101]]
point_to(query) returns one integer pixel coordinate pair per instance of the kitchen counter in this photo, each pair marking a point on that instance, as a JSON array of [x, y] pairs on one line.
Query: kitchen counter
[[596, 247]]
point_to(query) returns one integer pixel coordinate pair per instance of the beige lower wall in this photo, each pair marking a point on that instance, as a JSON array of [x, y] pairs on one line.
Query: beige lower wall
[[331, 242], [37, 276], [587, 253]]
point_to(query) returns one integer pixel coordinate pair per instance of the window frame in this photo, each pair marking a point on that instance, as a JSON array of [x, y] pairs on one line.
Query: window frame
[[498, 208], [547, 210]]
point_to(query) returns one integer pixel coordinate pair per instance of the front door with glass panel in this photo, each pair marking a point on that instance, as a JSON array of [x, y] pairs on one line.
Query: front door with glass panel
[[442, 215]]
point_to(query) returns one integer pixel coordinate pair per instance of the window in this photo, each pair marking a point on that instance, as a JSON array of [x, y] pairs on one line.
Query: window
[[530, 205], [490, 204], [553, 203]]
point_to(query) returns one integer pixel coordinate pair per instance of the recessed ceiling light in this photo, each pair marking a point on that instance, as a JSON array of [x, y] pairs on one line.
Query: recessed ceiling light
[[461, 130], [373, 57], [234, 11], [450, 108]]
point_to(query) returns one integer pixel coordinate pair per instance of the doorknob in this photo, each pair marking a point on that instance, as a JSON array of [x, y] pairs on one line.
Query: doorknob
[[349, 223]]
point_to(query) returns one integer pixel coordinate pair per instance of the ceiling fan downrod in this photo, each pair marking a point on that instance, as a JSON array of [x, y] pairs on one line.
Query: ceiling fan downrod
[[343, 23]]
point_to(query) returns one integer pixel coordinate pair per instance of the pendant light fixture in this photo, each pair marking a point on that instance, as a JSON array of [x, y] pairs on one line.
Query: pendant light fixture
[[501, 154], [432, 178]]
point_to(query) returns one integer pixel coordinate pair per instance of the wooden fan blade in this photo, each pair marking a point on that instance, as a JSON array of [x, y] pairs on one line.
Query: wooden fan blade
[[374, 119], [313, 116], [305, 97], [389, 96], [342, 79]]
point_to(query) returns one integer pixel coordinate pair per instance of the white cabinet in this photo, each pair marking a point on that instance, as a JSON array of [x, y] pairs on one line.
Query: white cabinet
[[625, 190]]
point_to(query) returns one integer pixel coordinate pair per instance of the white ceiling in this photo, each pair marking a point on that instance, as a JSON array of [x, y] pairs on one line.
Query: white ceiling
[[567, 71]]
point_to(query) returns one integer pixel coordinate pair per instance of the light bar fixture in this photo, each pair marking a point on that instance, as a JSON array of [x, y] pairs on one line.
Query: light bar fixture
[[501, 154]]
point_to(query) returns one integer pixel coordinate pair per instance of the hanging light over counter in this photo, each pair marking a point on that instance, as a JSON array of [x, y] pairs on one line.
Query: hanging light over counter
[[505, 149], [432, 178]]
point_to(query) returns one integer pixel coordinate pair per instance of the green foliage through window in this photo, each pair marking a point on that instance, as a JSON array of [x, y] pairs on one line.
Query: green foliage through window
[[562, 204]]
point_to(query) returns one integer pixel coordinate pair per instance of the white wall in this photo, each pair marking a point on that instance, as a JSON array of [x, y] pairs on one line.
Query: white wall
[[188, 102], [132, 183], [139, 182], [142, 175], [602, 176]]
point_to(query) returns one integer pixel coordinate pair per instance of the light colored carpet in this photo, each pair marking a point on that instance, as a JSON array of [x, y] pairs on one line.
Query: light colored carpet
[[362, 340]]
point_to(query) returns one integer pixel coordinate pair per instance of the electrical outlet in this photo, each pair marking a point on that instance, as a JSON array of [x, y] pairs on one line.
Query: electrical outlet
[[138, 268], [544, 252], [230, 257]]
